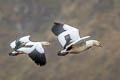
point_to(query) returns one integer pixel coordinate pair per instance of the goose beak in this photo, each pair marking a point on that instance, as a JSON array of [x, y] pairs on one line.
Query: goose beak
[[49, 43], [100, 45]]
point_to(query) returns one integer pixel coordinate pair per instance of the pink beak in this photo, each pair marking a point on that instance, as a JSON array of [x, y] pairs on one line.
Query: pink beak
[[100, 45]]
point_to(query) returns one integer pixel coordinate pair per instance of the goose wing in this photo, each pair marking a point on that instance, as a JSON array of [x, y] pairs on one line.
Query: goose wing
[[66, 34], [35, 51], [78, 43], [38, 55], [13, 44], [38, 58]]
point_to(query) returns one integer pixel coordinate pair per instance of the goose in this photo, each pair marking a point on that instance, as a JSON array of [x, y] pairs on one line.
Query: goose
[[34, 50], [70, 39]]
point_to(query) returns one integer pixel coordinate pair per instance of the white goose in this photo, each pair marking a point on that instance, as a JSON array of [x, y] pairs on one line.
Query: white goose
[[70, 40], [35, 50]]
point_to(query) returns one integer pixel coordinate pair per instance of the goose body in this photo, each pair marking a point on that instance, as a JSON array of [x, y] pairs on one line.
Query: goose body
[[70, 39], [34, 50]]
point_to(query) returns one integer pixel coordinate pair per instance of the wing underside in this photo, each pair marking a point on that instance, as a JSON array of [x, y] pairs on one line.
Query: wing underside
[[79, 42]]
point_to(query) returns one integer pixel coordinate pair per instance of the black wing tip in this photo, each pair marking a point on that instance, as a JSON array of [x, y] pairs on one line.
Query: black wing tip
[[38, 58], [57, 28], [43, 60]]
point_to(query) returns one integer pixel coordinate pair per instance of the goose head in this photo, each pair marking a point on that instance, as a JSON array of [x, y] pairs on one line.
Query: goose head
[[46, 43], [97, 44], [91, 43]]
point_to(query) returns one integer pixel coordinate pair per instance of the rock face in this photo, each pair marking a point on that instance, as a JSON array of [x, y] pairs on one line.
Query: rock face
[[97, 18]]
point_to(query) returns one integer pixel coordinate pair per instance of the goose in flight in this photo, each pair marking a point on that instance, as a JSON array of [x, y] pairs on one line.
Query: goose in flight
[[35, 50], [70, 39]]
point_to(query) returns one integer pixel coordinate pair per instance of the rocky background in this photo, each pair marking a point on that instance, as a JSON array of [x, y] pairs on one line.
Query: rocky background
[[97, 18]]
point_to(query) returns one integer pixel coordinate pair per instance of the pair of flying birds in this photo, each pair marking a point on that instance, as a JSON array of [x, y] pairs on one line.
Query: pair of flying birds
[[68, 37]]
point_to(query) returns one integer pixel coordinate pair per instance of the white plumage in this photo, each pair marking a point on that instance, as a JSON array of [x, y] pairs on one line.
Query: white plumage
[[70, 39], [35, 50]]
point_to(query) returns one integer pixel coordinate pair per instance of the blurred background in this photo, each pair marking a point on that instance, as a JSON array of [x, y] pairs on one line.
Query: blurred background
[[97, 18]]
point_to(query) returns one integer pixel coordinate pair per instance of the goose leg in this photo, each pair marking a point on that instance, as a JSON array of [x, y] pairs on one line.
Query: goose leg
[[62, 53]]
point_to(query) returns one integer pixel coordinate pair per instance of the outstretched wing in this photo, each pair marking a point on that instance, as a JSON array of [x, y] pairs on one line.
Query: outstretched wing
[[38, 58], [17, 44], [35, 52], [38, 55], [66, 34], [78, 42], [13, 44]]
